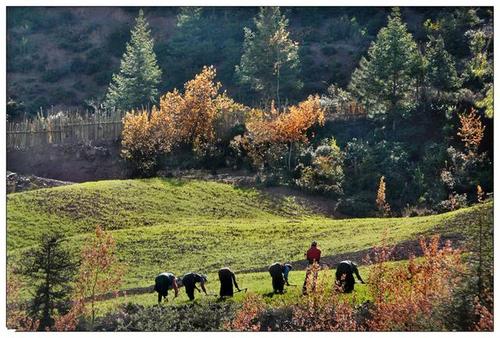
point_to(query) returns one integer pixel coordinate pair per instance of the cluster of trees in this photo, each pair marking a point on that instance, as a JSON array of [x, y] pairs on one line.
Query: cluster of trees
[[424, 104], [64, 287], [270, 65]]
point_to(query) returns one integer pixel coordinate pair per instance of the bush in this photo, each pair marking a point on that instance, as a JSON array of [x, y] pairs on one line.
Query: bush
[[208, 316], [325, 174]]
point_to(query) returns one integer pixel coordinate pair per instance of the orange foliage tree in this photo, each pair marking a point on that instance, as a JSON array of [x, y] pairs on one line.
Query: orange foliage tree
[[16, 314], [267, 128], [198, 117], [194, 113], [405, 295], [247, 318], [471, 131], [99, 273], [383, 207], [144, 138]]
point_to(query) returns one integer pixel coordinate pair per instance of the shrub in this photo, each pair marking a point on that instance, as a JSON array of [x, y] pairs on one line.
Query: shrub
[[145, 139], [325, 174], [209, 316]]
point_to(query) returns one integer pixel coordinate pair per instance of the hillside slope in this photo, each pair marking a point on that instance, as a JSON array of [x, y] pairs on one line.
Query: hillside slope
[[179, 225]]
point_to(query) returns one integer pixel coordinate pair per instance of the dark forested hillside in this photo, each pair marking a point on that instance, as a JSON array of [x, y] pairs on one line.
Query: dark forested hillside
[[63, 57]]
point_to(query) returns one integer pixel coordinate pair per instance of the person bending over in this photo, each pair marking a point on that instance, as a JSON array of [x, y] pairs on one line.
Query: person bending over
[[227, 278], [164, 282], [189, 281], [279, 274], [345, 275]]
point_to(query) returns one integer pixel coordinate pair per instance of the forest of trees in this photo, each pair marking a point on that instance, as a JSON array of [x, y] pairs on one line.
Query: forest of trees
[[422, 97]]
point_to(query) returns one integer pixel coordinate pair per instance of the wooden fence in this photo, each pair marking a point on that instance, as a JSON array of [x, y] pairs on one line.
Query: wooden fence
[[63, 128]]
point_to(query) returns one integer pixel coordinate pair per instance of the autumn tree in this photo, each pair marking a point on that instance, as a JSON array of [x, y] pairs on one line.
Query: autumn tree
[[136, 85], [100, 272], [471, 131], [145, 137], [194, 113], [50, 268], [265, 129], [385, 80], [16, 312], [270, 61], [467, 168], [382, 206]]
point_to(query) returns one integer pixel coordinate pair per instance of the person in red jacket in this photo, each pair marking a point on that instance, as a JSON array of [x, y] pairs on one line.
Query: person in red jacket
[[313, 254]]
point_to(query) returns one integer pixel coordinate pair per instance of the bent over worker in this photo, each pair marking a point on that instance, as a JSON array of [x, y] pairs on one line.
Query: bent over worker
[[227, 278], [189, 281], [279, 274], [344, 275], [164, 282]]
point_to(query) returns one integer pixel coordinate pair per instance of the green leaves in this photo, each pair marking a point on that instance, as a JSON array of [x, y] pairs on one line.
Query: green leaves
[[136, 85], [270, 62], [385, 80]]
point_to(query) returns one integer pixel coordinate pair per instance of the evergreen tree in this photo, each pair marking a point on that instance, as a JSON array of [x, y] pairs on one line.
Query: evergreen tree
[[50, 268], [386, 80], [270, 62], [137, 82], [441, 74]]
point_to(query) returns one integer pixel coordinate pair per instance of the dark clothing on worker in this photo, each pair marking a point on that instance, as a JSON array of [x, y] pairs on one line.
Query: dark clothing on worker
[[227, 278], [279, 274], [189, 281], [276, 271], [164, 282], [313, 254], [345, 275]]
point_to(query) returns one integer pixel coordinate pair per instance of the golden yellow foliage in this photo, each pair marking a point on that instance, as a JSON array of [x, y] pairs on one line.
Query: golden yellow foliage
[[194, 113], [287, 127], [271, 131], [471, 130], [197, 117], [382, 205], [144, 137]]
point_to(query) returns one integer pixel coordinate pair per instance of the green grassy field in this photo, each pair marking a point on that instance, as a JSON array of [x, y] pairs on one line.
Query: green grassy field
[[184, 225]]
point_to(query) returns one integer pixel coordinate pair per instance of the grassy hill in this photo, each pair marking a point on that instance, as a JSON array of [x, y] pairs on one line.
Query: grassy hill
[[180, 226]]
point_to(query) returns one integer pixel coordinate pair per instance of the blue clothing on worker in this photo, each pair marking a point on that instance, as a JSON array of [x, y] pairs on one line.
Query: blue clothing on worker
[[286, 270]]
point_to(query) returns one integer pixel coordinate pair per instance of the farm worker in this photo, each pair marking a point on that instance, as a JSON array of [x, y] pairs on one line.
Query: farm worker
[[189, 281], [313, 254], [227, 278], [344, 275], [164, 282], [279, 274]]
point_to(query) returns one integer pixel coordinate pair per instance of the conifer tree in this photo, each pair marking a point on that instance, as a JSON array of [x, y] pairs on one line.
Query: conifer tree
[[136, 85], [441, 74], [270, 62], [50, 268], [385, 80]]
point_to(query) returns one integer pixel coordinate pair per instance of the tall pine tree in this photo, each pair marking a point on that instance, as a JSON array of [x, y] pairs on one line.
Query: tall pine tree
[[136, 85], [441, 74], [385, 80], [50, 268], [270, 62]]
